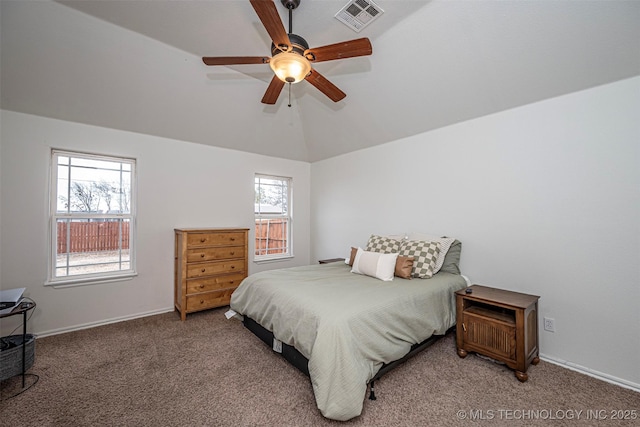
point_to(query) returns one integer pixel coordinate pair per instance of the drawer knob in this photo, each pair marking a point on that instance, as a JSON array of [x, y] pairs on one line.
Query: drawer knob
[[233, 266], [201, 301], [233, 239], [201, 255], [232, 252], [204, 269], [201, 286], [202, 240]]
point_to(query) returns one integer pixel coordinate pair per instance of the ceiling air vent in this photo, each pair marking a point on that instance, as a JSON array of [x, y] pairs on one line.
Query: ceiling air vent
[[357, 14]]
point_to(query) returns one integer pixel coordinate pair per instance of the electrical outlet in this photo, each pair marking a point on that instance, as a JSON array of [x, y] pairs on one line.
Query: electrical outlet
[[549, 324]]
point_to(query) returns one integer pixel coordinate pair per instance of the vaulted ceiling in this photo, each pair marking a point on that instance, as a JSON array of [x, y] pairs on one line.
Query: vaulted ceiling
[[136, 66]]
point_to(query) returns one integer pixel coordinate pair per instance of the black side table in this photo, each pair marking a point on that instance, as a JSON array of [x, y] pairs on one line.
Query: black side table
[[22, 308]]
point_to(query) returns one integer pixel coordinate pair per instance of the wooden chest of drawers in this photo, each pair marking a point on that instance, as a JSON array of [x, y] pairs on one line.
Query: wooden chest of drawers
[[210, 263]]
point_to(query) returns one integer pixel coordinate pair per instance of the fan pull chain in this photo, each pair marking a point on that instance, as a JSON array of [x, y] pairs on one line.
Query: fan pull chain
[[289, 95]]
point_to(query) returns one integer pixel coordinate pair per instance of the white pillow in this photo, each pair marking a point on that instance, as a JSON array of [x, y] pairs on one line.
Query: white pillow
[[375, 264], [445, 244], [396, 236]]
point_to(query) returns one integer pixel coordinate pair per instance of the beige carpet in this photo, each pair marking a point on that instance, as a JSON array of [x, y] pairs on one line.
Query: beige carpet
[[209, 371]]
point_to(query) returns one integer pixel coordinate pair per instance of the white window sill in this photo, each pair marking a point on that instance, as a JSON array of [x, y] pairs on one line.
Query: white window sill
[[272, 259], [67, 283]]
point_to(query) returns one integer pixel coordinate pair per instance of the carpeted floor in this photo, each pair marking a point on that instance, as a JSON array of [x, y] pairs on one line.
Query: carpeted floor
[[210, 371]]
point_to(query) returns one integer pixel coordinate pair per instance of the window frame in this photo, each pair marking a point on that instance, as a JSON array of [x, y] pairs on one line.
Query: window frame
[[55, 216], [288, 217]]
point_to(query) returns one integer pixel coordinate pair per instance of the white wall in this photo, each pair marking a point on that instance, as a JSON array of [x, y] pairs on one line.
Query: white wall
[[545, 199], [179, 185]]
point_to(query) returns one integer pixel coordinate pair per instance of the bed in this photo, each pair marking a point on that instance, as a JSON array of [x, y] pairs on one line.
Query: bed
[[344, 327]]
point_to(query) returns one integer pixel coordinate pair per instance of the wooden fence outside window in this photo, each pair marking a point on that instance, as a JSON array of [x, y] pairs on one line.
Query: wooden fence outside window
[[92, 236], [271, 236]]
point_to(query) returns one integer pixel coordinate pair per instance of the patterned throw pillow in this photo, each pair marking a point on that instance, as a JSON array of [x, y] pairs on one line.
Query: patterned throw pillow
[[445, 244], [425, 254], [383, 245]]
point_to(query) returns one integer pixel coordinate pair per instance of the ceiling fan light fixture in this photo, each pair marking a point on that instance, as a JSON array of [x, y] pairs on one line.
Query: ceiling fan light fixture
[[291, 57], [290, 67]]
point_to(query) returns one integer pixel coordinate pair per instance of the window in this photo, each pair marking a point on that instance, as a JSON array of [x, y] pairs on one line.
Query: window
[[92, 218], [273, 217]]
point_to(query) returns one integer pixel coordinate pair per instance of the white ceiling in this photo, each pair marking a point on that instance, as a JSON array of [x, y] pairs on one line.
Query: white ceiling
[[136, 65]]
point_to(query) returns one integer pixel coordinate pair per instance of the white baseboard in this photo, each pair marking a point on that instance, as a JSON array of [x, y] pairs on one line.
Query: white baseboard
[[592, 373], [102, 322]]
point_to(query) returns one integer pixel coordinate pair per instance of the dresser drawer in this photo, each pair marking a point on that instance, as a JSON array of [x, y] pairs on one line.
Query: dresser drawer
[[210, 254], [215, 239], [229, 281], [209, 300], [218, 267]]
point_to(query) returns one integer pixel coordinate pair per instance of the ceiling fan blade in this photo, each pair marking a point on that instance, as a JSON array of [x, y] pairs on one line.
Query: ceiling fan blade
[[348, 49], [273, 91], [268, 14], [325, 86], [235, 60]]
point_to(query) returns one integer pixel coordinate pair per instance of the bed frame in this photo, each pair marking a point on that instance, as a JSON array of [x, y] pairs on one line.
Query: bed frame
[[296, 358]]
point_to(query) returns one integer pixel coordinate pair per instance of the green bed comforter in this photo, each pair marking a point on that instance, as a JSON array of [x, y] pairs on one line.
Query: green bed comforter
[[347, 324]]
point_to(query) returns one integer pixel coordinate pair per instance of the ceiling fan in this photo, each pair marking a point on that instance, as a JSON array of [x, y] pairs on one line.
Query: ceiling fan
[[291, 57]]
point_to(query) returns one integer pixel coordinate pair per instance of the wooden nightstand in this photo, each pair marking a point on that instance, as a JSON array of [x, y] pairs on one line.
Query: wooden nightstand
[[327, 261], [500, 324]]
